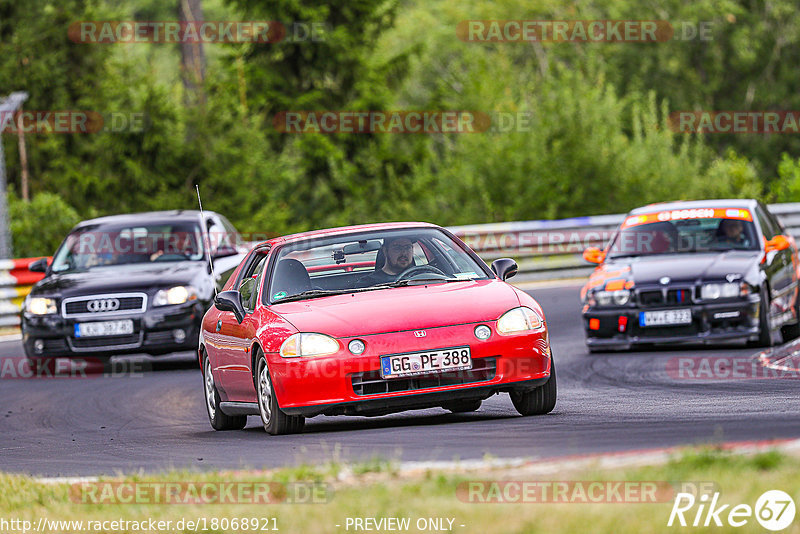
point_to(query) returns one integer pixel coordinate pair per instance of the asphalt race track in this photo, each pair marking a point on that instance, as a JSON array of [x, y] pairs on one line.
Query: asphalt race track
[[607, 402]]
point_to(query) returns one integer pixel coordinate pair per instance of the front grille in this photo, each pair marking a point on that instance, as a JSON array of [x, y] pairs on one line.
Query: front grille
[[371, 383], [681, 296], [106, 342], [128, 303]]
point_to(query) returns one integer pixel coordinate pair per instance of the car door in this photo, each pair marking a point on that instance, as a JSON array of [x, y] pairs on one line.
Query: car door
[[237, 338], [777, 266], [789, 264]]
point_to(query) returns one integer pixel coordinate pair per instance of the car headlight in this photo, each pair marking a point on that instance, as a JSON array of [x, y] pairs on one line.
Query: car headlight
[[174, 295], [40, 306], [308, 344], [724, 291], [519, 320], [604, 298]]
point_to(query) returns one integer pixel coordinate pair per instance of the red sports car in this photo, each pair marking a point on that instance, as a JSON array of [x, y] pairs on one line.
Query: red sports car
[[370, 320]]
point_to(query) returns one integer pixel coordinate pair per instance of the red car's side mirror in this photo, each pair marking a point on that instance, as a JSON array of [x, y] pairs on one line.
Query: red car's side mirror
[[230, 301]]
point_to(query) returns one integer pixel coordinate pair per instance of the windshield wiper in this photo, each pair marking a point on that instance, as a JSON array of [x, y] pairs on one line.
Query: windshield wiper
[[314, 293], [406, 282]]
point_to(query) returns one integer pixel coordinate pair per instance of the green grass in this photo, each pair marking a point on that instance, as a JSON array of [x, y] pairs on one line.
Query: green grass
[[379, 489]]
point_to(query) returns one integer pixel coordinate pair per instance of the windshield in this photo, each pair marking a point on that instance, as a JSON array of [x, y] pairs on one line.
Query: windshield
[[98, 246], [369, 260], [641, 237]]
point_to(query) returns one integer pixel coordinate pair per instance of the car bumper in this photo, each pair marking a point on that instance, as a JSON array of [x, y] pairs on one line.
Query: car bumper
[[352, 385], [154, 332], [711, 323]]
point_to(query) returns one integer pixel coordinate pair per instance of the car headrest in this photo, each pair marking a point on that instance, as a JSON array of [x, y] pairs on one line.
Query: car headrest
[[291, 277]]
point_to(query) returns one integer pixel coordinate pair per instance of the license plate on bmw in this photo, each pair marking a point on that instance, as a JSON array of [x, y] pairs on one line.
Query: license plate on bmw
[[665, 317], [104, 328], [431, 361]]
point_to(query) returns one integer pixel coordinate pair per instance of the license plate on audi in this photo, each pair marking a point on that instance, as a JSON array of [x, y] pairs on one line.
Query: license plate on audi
[[665, 317], [430, 361], [104, 328]]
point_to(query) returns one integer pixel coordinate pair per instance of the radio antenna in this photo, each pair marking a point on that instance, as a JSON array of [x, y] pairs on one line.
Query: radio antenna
[[208, 240]]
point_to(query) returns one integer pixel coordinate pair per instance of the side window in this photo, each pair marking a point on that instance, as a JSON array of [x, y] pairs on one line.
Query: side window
[[251, 277], [768, 228], [776, 222]]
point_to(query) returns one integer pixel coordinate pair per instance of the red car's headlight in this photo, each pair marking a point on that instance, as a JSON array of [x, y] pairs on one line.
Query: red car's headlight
[[308, 344], [520, 319]]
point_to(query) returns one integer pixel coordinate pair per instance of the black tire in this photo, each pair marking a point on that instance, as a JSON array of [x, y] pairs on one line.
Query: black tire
[[537, 401], [218, 420], [463, 406], [764, 334], [792, 331], [275, 421]]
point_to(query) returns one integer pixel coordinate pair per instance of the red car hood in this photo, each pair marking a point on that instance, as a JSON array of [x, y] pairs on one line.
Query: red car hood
[[401, 308]]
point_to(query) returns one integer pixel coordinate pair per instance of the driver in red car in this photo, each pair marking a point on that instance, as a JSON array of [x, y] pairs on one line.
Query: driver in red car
[[398, 254]]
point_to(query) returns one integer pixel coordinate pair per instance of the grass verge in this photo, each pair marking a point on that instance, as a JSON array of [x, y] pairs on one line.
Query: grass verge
[[331, 498]]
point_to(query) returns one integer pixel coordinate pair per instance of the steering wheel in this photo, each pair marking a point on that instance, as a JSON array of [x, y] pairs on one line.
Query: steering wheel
[[416, 269]]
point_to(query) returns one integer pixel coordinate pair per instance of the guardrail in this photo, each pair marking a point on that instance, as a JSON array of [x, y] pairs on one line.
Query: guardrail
[[544, 250], [15, 284]]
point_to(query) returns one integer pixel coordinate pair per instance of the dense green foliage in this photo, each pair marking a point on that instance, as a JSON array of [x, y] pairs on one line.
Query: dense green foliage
[[597, 141]]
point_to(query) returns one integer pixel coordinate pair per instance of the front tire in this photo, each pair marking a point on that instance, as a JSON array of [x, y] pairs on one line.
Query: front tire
[[764, 332], [275, 421], [538, 401], [219, 421], [792, 331]]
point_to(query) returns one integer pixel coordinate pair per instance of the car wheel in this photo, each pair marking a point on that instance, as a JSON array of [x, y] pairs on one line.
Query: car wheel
[[275, 421], [792, 331], [463, 406], [764, 333], [219, 421], [537, 401]]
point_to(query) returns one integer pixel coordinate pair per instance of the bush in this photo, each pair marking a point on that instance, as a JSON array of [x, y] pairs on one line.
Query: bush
[[39, 226]]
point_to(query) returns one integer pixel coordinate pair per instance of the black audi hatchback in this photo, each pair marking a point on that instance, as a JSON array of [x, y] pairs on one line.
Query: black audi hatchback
[[699, 271], [137, 283]]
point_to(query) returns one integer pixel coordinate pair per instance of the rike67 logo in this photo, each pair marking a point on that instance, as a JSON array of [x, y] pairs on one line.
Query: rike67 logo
[[774, 510]]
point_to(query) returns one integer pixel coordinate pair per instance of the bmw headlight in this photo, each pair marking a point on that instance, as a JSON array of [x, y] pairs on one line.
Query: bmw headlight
[[723, 291], [519, 320], [605, 298], [40, 306], [174, 295], [308, 344]]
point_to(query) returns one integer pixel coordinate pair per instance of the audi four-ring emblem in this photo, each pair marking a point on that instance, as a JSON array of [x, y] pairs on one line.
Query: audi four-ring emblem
[[102, 305]]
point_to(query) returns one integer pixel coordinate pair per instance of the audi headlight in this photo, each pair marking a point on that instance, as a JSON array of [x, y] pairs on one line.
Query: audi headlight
[[519, 320], [724, 291], [308, 344], [604, 298], [174, 295], [40, 306]]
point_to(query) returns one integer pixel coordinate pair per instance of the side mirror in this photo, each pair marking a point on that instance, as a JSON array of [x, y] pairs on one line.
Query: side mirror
[[230, 301], [39, 266], [779, 242], [504, 268], [594, 255]]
